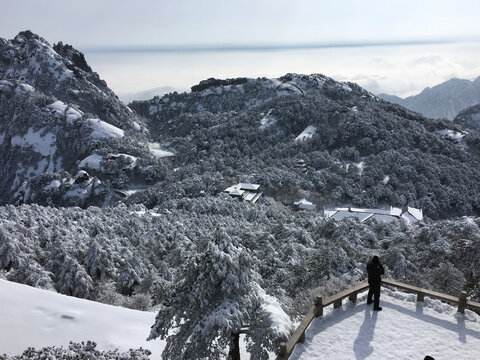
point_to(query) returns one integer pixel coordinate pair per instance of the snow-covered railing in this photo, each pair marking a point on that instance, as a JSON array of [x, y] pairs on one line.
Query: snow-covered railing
[[461, 301], [298, 336]]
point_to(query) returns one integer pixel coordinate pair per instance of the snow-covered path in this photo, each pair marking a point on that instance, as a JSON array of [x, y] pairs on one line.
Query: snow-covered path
[[404, 329]]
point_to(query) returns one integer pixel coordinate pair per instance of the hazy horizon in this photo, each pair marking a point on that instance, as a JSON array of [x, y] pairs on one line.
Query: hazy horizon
[[398, 69], [396, 47]]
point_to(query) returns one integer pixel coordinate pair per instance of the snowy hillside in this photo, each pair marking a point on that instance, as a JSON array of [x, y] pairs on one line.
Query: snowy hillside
[[55, 113], [404, 329], [445, 100], [39, 318], [469, 118], [255, 130]]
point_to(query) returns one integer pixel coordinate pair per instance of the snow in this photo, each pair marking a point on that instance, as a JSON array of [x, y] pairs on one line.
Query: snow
[[307, 133], [158, 152], [43, 144], [61, 108], [280, 321], [91, 162], [58, 106], [268, 120], [5, 84], [54, 185], [359, 165], [455, 136], [24, 88], [136, 125], [2, 138], [405, 329], [103, 129], [304, 204], [38, 318], [132, 159], [72, 115], [81, 192], [417, 213]]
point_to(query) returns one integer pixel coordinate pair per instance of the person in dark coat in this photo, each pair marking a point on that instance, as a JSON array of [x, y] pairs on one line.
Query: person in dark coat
[[375, 271]]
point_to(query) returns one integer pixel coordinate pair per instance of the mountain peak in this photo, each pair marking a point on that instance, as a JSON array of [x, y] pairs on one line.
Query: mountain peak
[[444, 100], [26, 35], [75, 56]]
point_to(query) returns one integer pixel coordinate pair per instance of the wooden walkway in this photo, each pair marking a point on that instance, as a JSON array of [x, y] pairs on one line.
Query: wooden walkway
[[298, 336]]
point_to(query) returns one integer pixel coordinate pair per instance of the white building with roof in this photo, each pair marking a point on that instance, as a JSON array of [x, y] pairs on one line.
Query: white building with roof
[[409, 214], [245, 191]]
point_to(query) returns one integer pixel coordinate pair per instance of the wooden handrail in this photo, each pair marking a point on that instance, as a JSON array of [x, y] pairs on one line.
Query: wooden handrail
[[298, 336], [421, 293]]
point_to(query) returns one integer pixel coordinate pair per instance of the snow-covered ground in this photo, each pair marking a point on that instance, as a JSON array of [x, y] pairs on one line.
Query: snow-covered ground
[[31, 317], [405, 329], [37, 318], [155, 149]]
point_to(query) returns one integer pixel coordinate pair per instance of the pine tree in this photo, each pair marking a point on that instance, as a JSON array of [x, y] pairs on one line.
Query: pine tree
[[219, 297]]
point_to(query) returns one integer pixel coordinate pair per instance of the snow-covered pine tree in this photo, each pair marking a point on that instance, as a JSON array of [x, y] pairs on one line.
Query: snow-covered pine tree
[[218, 299]]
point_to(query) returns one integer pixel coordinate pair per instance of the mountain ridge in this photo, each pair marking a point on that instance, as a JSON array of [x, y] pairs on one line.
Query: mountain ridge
[[55, 112], [359, 149], [444, 100]]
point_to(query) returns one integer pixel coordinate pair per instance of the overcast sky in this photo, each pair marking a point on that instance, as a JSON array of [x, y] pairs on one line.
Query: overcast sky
[[105, 24], [97, 23]]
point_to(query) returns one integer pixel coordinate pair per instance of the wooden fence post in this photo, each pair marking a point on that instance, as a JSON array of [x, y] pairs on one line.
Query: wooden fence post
[[282, 354], [318, 306], [337, 304], [302, 337], [462, 302], [353, 297], [420, 296]]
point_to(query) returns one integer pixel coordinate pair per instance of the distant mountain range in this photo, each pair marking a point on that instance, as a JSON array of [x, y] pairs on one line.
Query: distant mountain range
[[443, 101], [146, 94], [66, 139]]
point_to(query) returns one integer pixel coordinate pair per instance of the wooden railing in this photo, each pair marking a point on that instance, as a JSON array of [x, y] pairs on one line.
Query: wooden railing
[[298, 336]]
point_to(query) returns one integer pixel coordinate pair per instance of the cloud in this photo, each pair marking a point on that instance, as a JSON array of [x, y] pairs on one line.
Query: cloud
[[427, 59]]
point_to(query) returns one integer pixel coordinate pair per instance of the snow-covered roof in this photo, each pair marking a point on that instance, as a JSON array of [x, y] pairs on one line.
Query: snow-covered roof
[[359, 215], [395, 211], [231, 188], [385, 218], [242, 186], [248, 186], [416, 213], [237, 192], [307, 133], [305, 204], [410, 215]]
